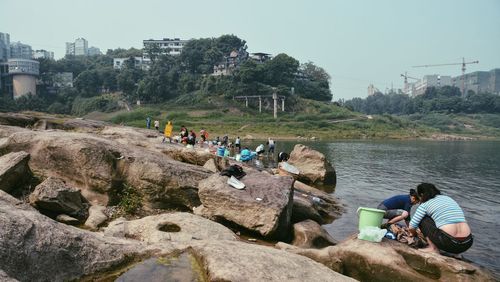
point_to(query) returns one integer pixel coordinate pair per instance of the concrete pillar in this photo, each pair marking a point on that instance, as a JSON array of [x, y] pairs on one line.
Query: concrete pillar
[[246, 102], [275, 99], [260, 104], [283, 104]]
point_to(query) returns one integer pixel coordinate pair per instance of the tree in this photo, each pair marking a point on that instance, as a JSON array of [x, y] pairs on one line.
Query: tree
[[280, 70], [227, 43], [88, 83]]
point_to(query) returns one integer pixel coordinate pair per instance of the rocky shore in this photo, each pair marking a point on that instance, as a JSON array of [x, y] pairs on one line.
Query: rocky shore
[[86, 200]]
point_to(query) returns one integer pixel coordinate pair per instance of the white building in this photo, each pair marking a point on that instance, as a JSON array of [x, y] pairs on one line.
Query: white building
[[63, 79], [19, 50], [434, 80], [43, 54], [372, 90], [139, 63], [93, 51], [77, 48], [167, 46], [4, 46], [23, 73]]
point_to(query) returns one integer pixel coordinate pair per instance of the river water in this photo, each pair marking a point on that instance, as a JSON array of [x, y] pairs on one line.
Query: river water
[[371, 171]]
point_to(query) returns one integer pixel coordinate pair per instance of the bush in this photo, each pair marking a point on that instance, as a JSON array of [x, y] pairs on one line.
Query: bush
[[130, 200], [105, 103], [136, 115]]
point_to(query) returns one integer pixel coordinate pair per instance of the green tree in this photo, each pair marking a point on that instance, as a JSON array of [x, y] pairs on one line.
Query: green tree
[[280, 70]]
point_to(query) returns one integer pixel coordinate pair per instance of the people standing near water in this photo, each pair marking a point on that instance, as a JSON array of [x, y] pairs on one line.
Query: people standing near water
[[271, 144], [237, 144], [203, 136], [148, 122], [398, 207], [260, 149], [225, 140], [442, 221], [157, 125], [168, 132]]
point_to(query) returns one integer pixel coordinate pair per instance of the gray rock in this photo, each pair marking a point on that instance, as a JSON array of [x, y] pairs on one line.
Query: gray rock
[[96, 217], [14, 171], [54, 195], [169, 227], [391, 261], [210, 165], [66, 219], [304, 208], [313, 166], [264, 206], [309, 234]]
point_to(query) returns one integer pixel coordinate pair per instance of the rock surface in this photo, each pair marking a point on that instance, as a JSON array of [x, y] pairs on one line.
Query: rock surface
[[194, 156], [309, 234], [312, 203], [391, 261], [100, 167], [169, 227], [14, 171], [264, 205], [313, 166], [55, 196], [66, 219], [96, 217]]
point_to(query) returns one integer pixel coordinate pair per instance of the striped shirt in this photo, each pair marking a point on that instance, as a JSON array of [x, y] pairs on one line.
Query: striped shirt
[[442, 209]]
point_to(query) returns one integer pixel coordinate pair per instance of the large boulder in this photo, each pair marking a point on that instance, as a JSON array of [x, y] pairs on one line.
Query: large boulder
[[196, 156], [96, 217], [312, 203], [309, 234], [34, 247], [391, 261], [236, 261], [14, 171], [54, 196], [169, 227], [264, 205], [16, 119], [102, 167], [314, 168]]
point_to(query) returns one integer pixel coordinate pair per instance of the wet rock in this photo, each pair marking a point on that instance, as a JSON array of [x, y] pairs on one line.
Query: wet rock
[[14, 171], [96, 217], [391, 261], [309, 234], [304, 208], [66, 219], [55, 196], [264, 205], [169, 227], [313, 166]]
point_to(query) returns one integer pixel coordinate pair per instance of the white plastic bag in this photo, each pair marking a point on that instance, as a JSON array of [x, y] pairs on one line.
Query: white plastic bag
[[371, 233]]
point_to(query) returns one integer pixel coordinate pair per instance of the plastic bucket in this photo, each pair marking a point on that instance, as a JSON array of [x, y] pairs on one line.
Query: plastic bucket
[[220, 151], [370, 217]]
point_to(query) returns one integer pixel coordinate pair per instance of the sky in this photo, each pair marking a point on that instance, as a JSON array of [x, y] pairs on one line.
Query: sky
[[357, 42]]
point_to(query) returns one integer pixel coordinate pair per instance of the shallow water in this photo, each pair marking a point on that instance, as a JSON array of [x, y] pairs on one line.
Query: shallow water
[[370, 171]]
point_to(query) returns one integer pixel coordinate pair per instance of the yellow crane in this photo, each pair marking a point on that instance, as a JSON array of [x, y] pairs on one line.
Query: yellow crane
[[463, 63]]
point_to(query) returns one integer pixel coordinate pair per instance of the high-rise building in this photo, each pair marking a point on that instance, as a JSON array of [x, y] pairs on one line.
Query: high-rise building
[[43, 54], [480, 81], [93, 51], [77, 48], [23, 73], [4, 46], [434, 80], [19, 50]]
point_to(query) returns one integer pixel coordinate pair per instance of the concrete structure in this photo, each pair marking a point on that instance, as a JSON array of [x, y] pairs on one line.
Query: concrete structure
[[43, 54], [93, 51], [139, 63], [435, 80], [77, 48], [480, 81], [372, 90], [19, 50], [63, 79], [23, 73], [4, 47], [167, 46], [230, 63], [260, 57]]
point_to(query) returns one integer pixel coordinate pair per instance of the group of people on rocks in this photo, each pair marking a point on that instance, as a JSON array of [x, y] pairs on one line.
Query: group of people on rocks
[[438, 217]]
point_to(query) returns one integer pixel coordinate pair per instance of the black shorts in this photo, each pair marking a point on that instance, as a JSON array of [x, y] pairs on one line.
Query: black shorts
[[443, 240]]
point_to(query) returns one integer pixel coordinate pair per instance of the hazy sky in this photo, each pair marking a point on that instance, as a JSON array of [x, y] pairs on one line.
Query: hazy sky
[[356, 42]]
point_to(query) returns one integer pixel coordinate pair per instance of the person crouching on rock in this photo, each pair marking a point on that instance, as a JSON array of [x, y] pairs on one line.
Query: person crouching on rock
[[398, 207], [442, 222], [282, 157]]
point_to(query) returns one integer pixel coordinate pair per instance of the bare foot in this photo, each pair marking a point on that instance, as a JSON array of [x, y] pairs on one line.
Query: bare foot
[[429, 250]]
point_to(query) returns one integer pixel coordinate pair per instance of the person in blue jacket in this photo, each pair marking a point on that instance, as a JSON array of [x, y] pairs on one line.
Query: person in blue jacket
[[398, 207], [246, 155]]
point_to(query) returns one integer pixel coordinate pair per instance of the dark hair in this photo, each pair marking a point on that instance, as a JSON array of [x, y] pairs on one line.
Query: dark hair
[[427, 191], [414, 193]]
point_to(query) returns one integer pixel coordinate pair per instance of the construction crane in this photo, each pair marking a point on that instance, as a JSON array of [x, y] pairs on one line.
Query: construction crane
[[463, 63], [406, 76]]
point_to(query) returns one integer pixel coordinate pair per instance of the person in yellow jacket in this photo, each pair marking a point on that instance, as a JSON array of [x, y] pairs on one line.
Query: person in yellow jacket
[[168, 132]]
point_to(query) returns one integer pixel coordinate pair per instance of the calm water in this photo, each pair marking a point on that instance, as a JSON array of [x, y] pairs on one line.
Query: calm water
[[370, 171]]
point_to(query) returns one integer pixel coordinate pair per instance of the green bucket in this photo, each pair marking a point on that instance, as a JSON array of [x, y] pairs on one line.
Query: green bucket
[[370, 217]]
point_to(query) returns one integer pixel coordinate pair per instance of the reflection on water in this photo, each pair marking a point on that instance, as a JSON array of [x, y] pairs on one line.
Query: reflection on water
[[370, 171]]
